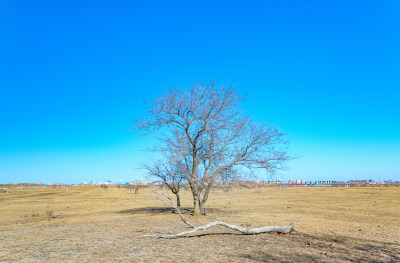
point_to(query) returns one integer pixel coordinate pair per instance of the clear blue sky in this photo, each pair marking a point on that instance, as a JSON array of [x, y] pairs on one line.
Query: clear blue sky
[[74, 74]]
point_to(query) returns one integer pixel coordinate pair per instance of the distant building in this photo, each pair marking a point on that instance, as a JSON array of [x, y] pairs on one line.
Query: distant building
[[360, 181], [142, 182]]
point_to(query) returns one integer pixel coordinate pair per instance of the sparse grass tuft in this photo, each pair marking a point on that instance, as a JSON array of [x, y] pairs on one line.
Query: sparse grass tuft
[[50, 213], [34, 214]]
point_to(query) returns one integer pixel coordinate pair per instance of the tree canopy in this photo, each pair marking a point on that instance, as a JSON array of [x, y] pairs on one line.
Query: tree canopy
[[205, 136]]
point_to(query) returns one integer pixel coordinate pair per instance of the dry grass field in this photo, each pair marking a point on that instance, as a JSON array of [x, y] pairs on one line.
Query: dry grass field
[[90, 224]]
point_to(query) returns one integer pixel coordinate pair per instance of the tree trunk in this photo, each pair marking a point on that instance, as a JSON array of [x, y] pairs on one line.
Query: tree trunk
[[203, 208], [178, 200], [205, 197], [196, 204]]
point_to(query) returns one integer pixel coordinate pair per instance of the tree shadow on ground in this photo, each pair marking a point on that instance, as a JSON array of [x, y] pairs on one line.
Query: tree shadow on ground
[[233, 233], [168, 210], [328, 248], [155, 210], [221, 211]]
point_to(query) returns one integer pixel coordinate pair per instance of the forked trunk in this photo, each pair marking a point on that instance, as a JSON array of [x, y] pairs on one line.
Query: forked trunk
[[205, 197], [198, 206]]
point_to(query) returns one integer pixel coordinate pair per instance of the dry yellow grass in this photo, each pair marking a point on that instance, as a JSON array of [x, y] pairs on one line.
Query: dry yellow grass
[[89, 224]]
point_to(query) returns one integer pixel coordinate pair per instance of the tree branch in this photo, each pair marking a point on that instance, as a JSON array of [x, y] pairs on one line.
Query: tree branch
[[264, 229], [168, 201]]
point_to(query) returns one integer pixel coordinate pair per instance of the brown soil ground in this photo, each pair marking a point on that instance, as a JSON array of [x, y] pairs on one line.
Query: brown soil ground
[[90, 224]]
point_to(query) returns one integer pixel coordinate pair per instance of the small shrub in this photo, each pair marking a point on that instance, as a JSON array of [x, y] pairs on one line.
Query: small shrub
[[34, 214], [50, 213]]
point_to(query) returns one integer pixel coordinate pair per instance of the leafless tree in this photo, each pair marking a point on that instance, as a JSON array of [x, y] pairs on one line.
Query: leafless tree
[[203, 129], [170, 173], [134, 187]]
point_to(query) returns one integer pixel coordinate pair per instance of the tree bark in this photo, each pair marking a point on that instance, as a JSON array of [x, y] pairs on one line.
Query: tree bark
[[196, 204], [203, 208], [205, 196], [258, 230], [178, 200]]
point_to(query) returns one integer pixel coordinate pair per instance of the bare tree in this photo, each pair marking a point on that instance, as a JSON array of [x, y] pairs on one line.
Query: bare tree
[[203, 129], [171, 174]]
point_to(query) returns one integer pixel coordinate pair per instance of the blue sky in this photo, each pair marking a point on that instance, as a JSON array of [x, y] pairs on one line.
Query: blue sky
[[74, 74]]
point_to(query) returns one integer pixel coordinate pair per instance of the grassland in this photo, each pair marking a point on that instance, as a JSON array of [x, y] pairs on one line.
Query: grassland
[[90, 224]]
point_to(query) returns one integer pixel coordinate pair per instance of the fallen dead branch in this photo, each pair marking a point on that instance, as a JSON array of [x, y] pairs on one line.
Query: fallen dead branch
[[264, 229], [166, 199]]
